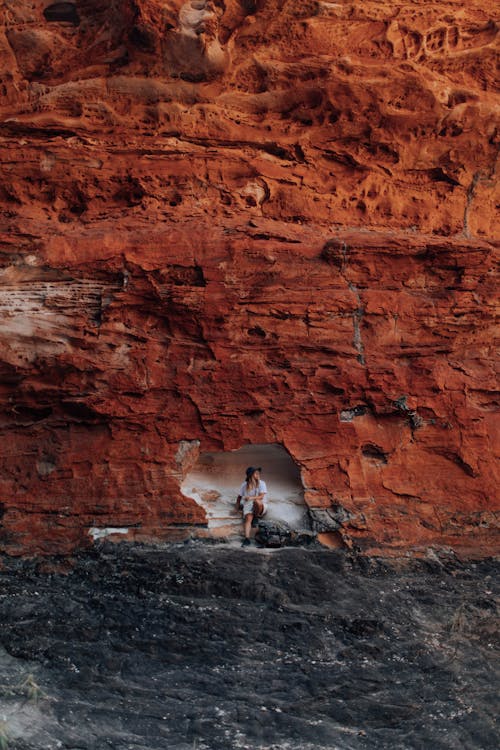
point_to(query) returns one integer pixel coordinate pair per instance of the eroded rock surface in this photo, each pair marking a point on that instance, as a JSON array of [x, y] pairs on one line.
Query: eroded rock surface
[[248, 222], [213, 647]]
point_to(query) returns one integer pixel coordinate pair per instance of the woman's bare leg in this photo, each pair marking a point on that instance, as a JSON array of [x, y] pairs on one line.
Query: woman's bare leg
[[248, 525], [258, 508]]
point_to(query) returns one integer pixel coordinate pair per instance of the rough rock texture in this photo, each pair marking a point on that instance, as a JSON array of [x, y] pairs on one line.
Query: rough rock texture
[[251, 221], [144, 649]]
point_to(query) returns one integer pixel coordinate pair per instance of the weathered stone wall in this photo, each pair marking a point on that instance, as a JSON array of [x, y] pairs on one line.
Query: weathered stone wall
[[248, 222], [217, 648]]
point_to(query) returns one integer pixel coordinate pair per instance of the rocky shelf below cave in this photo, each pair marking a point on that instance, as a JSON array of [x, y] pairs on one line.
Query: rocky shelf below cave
[[210, 646]]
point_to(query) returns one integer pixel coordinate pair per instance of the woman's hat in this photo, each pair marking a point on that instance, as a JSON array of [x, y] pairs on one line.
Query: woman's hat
[[251, 470]]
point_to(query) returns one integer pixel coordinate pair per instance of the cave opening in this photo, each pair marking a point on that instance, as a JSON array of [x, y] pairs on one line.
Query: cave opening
[[215, 479], [62, 13]]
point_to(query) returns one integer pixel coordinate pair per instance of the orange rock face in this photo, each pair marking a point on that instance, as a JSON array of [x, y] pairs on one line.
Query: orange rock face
[[251, 221]]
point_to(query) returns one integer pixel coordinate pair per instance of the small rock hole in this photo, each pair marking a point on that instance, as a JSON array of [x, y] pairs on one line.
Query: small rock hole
[[374, 452], [257, 331], [62, 13]]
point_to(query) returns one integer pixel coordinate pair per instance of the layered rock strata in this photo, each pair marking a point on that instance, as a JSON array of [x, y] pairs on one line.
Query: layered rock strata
[[205, 646], [241, 223]]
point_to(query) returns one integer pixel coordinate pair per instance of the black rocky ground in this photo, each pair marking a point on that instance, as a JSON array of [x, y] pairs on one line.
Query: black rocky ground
[[209, 647]]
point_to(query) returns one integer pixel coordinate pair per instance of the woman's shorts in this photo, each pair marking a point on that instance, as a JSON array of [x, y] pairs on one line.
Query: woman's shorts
[[248, 508]]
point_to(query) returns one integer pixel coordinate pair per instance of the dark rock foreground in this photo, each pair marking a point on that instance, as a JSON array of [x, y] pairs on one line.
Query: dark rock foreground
[[205, 647]]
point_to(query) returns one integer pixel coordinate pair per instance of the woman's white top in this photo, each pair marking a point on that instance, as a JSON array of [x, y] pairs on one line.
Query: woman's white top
[[253, 492]]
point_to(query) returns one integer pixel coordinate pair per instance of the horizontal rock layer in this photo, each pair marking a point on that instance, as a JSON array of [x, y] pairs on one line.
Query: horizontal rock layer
[[210, 647], [248, 222]]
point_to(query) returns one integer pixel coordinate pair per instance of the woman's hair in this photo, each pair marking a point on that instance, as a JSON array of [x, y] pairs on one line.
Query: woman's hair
[[252, 480]]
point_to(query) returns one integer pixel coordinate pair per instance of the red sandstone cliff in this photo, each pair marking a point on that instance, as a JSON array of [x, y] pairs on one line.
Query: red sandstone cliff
[[252, 221]]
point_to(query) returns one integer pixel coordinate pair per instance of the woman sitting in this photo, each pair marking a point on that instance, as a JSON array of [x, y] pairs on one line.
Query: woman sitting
[[252, 498]]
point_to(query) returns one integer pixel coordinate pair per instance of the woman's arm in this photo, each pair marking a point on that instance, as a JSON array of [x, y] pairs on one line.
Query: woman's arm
[[262, 492], [258, 497]]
